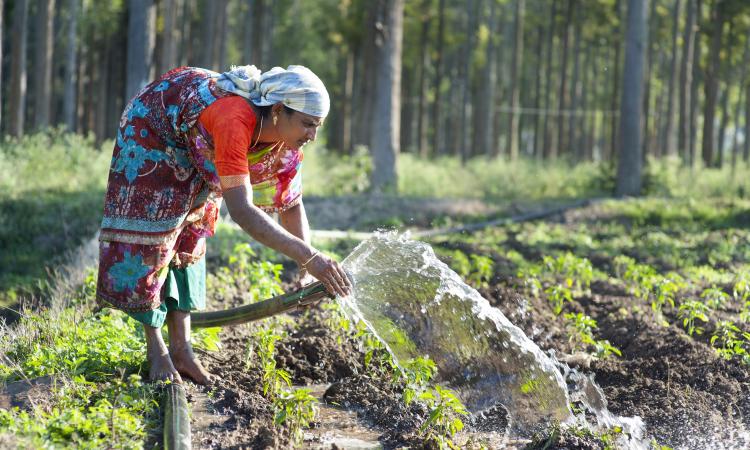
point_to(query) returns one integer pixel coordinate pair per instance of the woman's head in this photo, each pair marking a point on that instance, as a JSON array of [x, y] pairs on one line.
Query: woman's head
[[295, 98], [295, 128]]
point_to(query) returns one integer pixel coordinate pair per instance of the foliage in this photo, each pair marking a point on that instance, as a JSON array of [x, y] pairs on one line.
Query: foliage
[[263, 346], [54, 343], [88, 415], [689, 312], [730, 341], [417, 374], [246, 276], [444, 420], [581, 332], [296, 409], [475, 269], [44, 216]]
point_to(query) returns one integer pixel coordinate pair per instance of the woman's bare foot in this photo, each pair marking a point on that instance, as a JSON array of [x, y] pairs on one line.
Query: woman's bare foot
[[188, 365], [178, 323], [162, 369], [160, 364]]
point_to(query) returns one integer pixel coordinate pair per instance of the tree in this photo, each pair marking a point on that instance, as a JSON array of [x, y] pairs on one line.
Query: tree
[[17, 101], [141, 22], [71, 74], [686, 81], [387, 106], [669, 141], [718, 19], [1, 59], [629, 162], [43, 63], [513, 132]]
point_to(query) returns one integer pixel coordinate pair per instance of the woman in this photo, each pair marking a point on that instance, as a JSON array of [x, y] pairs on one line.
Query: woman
[[186, 141]]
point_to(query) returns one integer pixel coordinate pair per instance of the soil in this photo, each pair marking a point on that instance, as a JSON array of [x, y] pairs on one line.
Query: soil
[[687, 396]]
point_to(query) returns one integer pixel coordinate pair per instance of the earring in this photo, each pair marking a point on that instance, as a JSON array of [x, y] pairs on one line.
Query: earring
[[275, 119]]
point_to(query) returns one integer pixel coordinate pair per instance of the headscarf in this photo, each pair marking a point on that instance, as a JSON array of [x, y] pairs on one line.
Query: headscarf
[[296, 87]]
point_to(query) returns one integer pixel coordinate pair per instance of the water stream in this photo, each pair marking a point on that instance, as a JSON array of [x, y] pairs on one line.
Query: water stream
[[418, 306]]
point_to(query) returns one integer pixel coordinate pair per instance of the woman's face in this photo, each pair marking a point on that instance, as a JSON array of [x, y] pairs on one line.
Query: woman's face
[[297, 129]]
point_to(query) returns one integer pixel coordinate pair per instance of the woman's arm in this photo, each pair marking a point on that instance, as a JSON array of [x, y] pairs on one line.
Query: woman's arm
[[266, 231], [294, 220]]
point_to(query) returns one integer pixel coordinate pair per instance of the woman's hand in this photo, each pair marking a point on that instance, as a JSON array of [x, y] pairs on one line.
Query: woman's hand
[[330, 273]]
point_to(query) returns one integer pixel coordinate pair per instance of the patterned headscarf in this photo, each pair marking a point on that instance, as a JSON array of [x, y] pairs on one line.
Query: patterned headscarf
[[297, 87]]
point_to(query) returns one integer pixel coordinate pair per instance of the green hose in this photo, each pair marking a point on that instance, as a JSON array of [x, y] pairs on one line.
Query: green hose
[[176, 418], [305, 296]]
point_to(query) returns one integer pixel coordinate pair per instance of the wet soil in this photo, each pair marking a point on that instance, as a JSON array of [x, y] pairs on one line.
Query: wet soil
[[687, 396]]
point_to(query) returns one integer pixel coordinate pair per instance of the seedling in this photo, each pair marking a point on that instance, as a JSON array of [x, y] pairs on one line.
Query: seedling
[[689, 312], [714, 297], [727, 341], [418, 372], [444, 420], [297, 409]]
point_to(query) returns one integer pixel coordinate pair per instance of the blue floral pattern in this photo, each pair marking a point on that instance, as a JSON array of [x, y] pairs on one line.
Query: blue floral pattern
[[132, 157], [125, 274]]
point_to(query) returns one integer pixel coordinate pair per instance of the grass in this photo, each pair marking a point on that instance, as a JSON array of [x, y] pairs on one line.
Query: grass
[[51, 195]]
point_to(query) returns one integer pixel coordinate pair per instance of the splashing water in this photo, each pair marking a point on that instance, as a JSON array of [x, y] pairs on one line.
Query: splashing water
[[418, 306]]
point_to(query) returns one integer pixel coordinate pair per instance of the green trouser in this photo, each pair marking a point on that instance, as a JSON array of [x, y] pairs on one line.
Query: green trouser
[[184, 290]]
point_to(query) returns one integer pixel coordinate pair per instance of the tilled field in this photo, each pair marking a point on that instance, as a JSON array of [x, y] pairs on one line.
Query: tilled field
[[688, 395]]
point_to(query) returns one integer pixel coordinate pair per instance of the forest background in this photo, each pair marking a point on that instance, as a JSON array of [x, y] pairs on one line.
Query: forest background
[[495, 99]]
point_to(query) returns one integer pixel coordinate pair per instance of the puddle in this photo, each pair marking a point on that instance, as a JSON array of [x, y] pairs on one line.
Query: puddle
[[338, 426]]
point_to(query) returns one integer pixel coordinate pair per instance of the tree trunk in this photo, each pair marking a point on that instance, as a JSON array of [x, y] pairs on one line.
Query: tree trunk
[[630, 165], [464, 81], [686, 80], [712, 84], [513, 133], [424, 61], [669, 136], [171, 10], [721, 141], [2, 9], [738, 104], [694, 85], [259, 12], [43, 63], [346, 107], [647, 113], [71, 61], [538, 151], [562, 146], [485, 110], [220, 43], [387, 108], [574, 120], [17, 101], [438, 144], [141, 21], [549, 151], [613, 151]]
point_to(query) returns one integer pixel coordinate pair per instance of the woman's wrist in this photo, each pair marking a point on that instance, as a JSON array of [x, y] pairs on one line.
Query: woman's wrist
[[308, 260]]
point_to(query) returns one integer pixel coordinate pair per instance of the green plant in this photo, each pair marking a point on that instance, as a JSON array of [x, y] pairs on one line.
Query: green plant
[[581, 328], [730, 341], [714, 297], [444, 419], [263, 345], [297, 409], [689, 312], [417, 373], [557, 295]]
